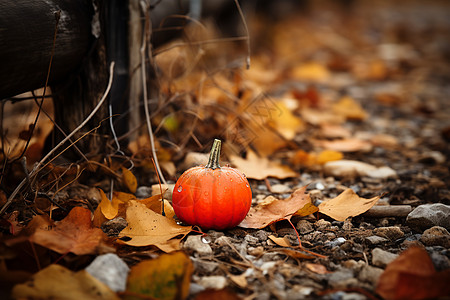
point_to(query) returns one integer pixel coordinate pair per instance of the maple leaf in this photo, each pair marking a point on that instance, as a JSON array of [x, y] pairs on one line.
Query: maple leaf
[[146, 227], [413, 276], [274, 210], [75, 233], [256, 167], [347, 204]]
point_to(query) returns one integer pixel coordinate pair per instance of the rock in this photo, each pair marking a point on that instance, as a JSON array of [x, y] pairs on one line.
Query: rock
[[322, 224], [213, 282], [429, 215], [381, 258], [195, 243], [299, 292], [370, 274], [336, 242], [354, 265], [304, 227], [143, 192], [251, 240], [375, 240], [436, 236], [340, 277], [391, 232], [440, 261], [204, 266], [111, 270], [353, 168], [114, 227], [347, 226], [280, 189]]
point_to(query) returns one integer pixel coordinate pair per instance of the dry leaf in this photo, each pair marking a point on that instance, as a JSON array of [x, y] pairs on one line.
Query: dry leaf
[[223, 294], [311, 72], [350, 109], [75, 233], [129, 180], [413, 276], [145, 227], [256, 167], [343, 145], [280, 241], [347, 204], [353, 168], [306, 210], [167, 277], [57, 282], [285, 122], [317, 268], [275, 210], [296, 254]]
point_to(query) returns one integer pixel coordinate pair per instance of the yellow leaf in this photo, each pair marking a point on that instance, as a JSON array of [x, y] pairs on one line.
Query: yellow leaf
[[306, 210], [57, 282], [108, 208], [129, 179], [285, 123], [350, 109], [311, 72], [256, 167], [328, 155], [146, 227], [167, 277], [347, 204]]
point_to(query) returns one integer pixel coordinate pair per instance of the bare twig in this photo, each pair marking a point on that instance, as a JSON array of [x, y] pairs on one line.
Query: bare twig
[[38, 166], [145, 39], [241, 14]]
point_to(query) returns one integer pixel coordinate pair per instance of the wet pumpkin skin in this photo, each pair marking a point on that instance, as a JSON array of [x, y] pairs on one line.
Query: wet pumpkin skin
[[212, 197]]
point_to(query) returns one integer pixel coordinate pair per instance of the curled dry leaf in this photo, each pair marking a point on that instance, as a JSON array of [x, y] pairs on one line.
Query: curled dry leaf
[[256, 167], [413, 276], [274, 210], [129, 180], [55, 281], [75, 233], [280, 241], [317, 268], [146, 227], [167, 277], [347, 204]]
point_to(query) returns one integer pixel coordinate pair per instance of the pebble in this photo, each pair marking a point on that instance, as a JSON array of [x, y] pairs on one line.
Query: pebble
[[322, 224], [391, 232], [204, 266], [213, 282], [340, 277], [195, 243], [304, 227], [280, 189], [114, 227], [251, 240], [111, 270], [336, 242], [354, 265], [429, 215], [370, 274], [436, 236], [143, 192], [381, 258], [353, 168], [440, 261]]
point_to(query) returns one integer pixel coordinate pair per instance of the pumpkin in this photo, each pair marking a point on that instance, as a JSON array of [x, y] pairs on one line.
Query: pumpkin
[[211, 196]]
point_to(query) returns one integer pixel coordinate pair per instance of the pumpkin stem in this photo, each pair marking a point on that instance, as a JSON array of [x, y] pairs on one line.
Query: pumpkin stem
[[214, 156]]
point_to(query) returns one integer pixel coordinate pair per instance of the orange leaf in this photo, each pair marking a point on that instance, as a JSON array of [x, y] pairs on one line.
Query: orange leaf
[[413, 276], [129, 179], [275, 210], [145, 227], [344, 145], [347, 204], [317, 268], [350, 109], [74, 233]]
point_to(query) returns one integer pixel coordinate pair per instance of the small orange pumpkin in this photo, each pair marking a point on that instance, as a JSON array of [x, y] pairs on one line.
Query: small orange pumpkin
[[212, 197]]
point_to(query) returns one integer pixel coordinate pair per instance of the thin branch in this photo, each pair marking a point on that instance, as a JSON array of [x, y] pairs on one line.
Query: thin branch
[[247, 32], [38, 166]]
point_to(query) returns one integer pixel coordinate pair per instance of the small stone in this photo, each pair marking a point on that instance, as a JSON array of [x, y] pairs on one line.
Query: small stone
[[322, 224], [391, 232], [441, 262], [352, 168], [111, 270], [204, 266], [143, 192], [251, 240], [258, 251], [213, 282], [381, 258], [429, 215], [304, 227], [280, 189], [354, 265], [262, 235], [114, 227], [336, 242], [338, 277], [347, 224], [370, 274], [195, 243], [436, 236], [375, 240]]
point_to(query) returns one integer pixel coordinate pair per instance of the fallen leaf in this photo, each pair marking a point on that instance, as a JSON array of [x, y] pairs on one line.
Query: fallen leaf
[[146, 227], [306, 210], [347, 204], [256, 167], [301, 157], [350, 109], [166, 277], [413, 276], [296, 254], [334, 131], [286, 123], [223, 294], [75, 233], [353, 168], [275, 210], [109, 208], [129, 179], [328, 155], [343, 145], [317, 268], [280, 241], [311, 72], [57, 282]]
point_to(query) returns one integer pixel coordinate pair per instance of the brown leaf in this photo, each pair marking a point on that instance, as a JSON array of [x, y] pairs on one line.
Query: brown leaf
[[129, 179], [280, 241], [145, 227], [75, 233], [343, 145], [350, 109], [223, 294], [413, 276], [275, 210], [57, 282], [317, 268], [347, 204], [255, 167]]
